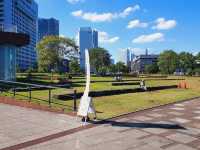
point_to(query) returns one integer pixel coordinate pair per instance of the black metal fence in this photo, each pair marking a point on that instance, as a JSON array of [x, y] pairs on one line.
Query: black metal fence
[[15, 88]]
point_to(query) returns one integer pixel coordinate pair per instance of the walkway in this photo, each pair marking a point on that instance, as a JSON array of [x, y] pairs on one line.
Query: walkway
[[171, 127], [18, 124]]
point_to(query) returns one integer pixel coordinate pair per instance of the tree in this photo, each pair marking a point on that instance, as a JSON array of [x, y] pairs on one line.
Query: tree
[[103, 70], [198, 56], [186, 61], [99, 57], [152, 68], [52, 49], [74, 66], [168, 62], [113, 68], [121, 67]]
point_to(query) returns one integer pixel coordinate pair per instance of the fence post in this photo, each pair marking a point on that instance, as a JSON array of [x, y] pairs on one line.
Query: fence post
[[49, 97], [30, 94], [14, 91], [75, 107]]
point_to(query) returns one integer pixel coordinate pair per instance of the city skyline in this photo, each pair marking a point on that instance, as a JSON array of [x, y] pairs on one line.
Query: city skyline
[[139, 25]]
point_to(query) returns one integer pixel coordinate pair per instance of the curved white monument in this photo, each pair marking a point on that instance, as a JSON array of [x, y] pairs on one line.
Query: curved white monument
[[86, 104]]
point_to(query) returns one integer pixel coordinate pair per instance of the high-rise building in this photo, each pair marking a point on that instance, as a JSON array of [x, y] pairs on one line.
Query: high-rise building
[[24, 15], [132, 56], [126, 56], [95, 38], [88, 39], [47, 27]]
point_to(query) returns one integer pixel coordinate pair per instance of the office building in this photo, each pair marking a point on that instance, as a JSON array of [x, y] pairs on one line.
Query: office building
[[88, 39], [47, 27], [139, 63], [24, 15], [132, 56], [126, 56], [10, 42]]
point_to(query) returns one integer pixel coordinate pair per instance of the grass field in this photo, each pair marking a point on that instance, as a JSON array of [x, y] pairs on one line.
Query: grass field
[[109, 106]]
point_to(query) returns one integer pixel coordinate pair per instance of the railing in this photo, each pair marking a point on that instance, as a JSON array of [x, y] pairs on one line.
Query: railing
[[8, 28], [15, 88]]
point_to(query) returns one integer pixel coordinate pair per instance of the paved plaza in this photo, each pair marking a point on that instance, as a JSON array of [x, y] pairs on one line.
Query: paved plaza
[[20, 124], [171, 127]]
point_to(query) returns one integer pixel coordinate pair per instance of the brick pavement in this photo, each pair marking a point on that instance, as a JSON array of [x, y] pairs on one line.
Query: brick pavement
[[171, 127]]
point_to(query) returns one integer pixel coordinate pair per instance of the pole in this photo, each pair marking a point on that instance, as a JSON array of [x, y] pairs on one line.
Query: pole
[[49, 97], [30, 94], [75, 107], [14, 91]]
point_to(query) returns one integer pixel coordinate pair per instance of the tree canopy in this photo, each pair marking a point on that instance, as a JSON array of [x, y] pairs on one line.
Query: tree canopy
[[52, 49], [152, 68], [186, 61], [168, 62], [121, 67], [74, 66], [99, 59]]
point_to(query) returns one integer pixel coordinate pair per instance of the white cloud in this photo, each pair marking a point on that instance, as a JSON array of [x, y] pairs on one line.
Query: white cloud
[[162, 24], [105, 38], [77, 13], [136, 24], [106, 16], [74, 1], [155, 37], [129, 10]]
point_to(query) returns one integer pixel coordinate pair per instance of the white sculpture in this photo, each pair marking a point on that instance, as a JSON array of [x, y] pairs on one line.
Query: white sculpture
[[86, 105]]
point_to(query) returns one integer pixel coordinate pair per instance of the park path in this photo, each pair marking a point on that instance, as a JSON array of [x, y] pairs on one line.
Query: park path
[[170, 127], [20, 124]]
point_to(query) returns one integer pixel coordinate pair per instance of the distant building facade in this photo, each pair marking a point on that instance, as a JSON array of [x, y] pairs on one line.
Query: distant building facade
[[88, 38], [47, 27], [24, 15], [132, 56], [126, 57], [139, 63]]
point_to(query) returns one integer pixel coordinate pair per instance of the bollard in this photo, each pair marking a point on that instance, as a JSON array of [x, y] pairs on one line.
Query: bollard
[[49, 97], [30, 94], [75, 107], [14, 92]]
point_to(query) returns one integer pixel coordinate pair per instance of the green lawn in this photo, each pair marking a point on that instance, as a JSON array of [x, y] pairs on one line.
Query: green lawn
[[109, 106]]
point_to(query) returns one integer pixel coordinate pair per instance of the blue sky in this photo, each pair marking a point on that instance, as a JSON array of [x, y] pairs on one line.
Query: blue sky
[[138, 24]]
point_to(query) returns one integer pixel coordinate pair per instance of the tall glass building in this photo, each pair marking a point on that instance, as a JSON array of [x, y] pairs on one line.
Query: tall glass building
[[88, 39], [24, 15], [47, 27]]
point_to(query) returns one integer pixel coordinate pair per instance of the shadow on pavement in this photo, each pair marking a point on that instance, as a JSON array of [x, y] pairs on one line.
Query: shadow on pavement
[[141, 125]]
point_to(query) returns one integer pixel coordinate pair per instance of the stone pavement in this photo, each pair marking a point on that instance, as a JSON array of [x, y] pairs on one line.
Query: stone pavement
[[171, 127], [18, 124]]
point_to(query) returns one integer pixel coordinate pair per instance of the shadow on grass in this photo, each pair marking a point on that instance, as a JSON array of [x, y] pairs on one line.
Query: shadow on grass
[[141, 125], [102, 81], [114, 92]]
